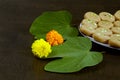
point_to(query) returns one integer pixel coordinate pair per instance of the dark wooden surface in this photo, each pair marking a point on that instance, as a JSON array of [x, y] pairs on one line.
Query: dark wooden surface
[[16, 59]]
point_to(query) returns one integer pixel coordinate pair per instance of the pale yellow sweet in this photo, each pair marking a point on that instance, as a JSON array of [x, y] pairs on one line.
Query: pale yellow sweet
[[92, 16], [117, 23], [114, 40], [89, 23], [107, 16], [104, 31], [105, 24], [115, 30], [102, 34], [87, 30], [100, 37], [117, 15]]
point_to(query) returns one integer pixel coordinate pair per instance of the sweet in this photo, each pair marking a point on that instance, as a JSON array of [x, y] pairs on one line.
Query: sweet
[[92, 16], [105, 24], [104, 31], [89, 23], [116, 30], [107, 16], [86, 29], [114, 40], [117, 15], [102, 34], [100, 37], [117, 23]]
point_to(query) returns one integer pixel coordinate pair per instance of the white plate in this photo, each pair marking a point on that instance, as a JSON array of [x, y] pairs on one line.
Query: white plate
[[99, 43]]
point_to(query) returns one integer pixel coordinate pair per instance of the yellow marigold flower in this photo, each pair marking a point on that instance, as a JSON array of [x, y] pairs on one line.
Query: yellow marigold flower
[[41, 48], [54, 38]]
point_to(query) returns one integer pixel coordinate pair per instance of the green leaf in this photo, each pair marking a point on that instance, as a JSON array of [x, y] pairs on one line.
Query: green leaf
[[75, 55], [71, 45], [75, 63], [58, 20]]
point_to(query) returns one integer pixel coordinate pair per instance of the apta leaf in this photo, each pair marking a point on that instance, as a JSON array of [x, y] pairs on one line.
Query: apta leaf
[[74, 57], [70, 46], [58, 20], [74, 54]]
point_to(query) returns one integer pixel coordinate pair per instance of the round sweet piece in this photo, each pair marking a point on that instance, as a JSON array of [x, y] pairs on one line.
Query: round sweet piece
[[89, 23], [116, 30], [107, 16], [104, 31], [100, 37], [117, 23], [117, 15], [87, 30], [114, 40], [92, 16], [102, 34], [105, 24]]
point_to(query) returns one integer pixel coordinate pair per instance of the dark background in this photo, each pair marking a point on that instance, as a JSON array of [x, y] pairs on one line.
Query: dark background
[[16, 59]]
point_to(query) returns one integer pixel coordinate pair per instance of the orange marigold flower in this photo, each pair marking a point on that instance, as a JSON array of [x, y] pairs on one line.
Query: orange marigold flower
[[54, 38]]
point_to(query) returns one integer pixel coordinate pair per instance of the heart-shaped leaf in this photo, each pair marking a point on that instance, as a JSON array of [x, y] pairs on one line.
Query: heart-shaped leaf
[[59, 21], [71, 45], [74, 63], [74, 57]]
